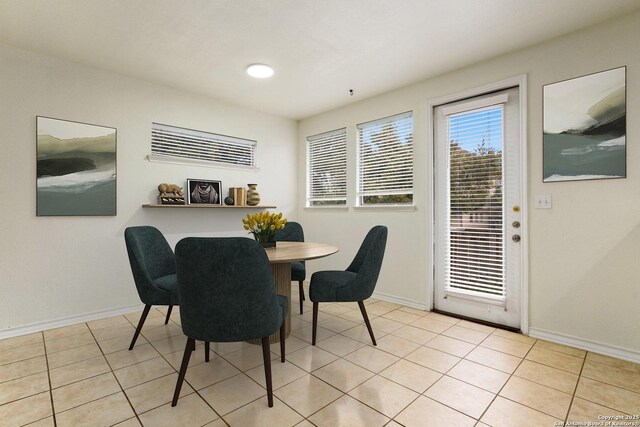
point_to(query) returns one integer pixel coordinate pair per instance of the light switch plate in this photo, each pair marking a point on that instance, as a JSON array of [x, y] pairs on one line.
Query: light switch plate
[[543, 202]]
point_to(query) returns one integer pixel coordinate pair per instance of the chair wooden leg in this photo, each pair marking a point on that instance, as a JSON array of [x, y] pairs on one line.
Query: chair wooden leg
[[206, 351], [145, 312], [188, 348], [282, 341], [366, 321], [267, 369], [315, 323], [302, 298], [168, 314]]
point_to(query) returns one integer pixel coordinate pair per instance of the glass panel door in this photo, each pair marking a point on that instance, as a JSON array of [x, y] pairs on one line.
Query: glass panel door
[[477, 215]]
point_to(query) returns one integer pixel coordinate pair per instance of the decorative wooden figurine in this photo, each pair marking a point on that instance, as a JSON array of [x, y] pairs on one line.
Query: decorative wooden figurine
[[170, 194]]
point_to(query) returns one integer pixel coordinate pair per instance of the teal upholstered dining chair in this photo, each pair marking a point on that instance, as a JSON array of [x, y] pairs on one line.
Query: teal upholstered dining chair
[[227, 293], [356, 283], [154, 271], [292, 232]]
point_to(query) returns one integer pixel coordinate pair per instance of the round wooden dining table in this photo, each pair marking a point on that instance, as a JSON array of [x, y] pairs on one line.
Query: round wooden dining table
[[281, 258]]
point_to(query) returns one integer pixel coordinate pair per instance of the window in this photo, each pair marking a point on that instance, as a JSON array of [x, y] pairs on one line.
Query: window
[[327, 169], [385, 161], [170, 143], [475, 214]]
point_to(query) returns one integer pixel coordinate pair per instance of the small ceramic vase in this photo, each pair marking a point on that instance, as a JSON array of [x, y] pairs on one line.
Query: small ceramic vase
[[253, 197]]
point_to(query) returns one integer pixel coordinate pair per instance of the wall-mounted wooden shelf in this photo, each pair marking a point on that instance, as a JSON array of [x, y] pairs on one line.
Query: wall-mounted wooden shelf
[[151, 205]]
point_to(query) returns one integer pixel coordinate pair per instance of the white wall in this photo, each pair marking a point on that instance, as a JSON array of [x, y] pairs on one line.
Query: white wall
[[584, 274], [55, 268]]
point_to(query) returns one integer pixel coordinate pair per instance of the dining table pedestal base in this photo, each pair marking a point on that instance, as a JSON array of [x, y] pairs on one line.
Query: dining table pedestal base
[[282, 277], [280, 259]]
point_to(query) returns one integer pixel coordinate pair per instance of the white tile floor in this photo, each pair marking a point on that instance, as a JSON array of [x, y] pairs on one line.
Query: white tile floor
[[427, 370]]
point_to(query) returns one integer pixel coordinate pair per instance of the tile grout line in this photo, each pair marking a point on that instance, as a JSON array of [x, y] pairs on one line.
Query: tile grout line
[[334, 387], [603, 403], [274, 391], [507, 381], [227, 361], [375, 374], [442, 374], [535, 382], [346, 393], [196, 391], [495, 394], [575, 389], [115, 377], [250, 378], [160, 355], [46, 359], [403, 358], [449, 370], [628, 371]]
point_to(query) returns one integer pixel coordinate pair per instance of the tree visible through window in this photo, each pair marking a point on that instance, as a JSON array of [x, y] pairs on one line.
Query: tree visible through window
[[385, 161], [476, 176], [475, 201]]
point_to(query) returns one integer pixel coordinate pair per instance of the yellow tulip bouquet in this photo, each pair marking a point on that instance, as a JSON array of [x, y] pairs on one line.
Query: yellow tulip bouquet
[[263, 225]]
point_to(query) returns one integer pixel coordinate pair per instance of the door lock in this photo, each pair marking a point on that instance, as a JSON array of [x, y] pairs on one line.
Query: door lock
[[516, 224], [515, 238]]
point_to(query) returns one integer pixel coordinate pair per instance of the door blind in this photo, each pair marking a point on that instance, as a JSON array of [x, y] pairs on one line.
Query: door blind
[[327, 169], [174, 142], [385, 161], [475, 229]]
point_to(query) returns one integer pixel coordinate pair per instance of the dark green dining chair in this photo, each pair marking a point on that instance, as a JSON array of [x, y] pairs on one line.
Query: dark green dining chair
[[356, 283], [154, 271], [292, 232], [227, 294]]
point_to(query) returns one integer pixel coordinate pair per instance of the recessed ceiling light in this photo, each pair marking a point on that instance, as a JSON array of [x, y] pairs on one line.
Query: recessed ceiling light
[[260, 71]]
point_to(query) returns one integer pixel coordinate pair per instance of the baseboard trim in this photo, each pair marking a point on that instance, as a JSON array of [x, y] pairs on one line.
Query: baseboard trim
[[66, 321], [593, 346], [402, 301]]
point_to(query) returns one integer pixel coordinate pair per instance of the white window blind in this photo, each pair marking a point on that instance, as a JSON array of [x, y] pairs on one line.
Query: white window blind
[[327, 169], [475, 229], [193, 146], [385, 161]]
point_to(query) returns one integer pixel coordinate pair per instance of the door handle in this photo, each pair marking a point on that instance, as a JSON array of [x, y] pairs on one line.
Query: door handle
[[515, 238]]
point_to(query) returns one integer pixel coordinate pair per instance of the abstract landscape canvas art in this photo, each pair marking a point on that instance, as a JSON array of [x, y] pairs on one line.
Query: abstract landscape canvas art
[[76, 168], [585, 127]]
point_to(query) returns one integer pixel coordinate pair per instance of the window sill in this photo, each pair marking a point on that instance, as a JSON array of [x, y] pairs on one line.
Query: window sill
[[326, 208], [405, 208]]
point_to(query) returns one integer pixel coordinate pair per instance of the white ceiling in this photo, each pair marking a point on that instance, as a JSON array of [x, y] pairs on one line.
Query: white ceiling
[[319, 48]]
